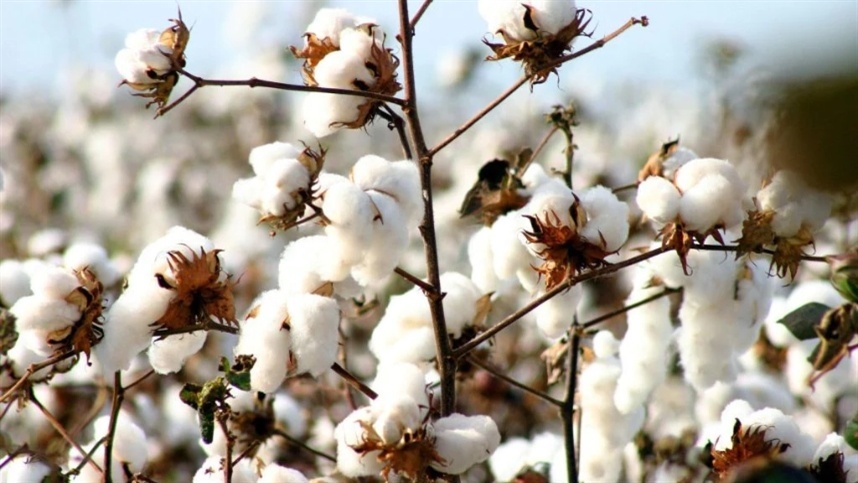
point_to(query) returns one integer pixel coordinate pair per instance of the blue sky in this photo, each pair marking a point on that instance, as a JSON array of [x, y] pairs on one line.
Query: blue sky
[[39, 40]]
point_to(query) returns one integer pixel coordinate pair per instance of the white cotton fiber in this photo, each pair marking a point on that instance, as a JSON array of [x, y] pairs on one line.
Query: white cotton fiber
[[460, 302], [705, 203], [389, 241], [14, 281], [323, 113], [555, 316], [264, 337], [463, 441], [400, 377], [607, 219], [23, 468], [280, 474], [168, 355], [509, 254], [659, 200], [398, 179], [329, 22], [314, 321], [93, 256], [481, 257]]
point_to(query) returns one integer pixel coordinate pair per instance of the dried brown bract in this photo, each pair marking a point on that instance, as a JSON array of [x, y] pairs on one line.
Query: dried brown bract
[[836, 329], [86, 332], [202, 290], [565, 252], [539, 54], [757, 233], [495, 193], [314, 161], [409, 457], [675, 237], [654, 165], [829, 469], [748, 444]]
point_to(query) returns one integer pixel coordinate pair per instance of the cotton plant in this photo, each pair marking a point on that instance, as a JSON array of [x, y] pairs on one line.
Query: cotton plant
[[176, 283], [395, 435], [129, 449], [344, 52]]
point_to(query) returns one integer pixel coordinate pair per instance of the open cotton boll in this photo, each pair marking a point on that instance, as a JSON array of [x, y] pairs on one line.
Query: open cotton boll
[[506, 16], [658, 199], [273, 190], [24, 468], [350, 212], [348, 433], [835, 443], [398, 179], [509, 254], [607, 219], [313, 322], [508, 459], [480, 257], [127, 329], [262, 158], [463, 441], [273, 473], [460, 302], [14, 281], [323, 113], [395, 414], [709, 202], [329, 22], [798, 449], [405, 331], [129, 445], [90, 255], [644, 354], [693, 172], [552, 15], [168, 355], [794, 204], [344, 70], [404, 378], [556, 315], [263, 336], [212, 471], [301, 264], [389, 241]]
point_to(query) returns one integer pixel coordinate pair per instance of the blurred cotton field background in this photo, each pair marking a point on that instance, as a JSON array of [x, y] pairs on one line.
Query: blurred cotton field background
[[89, 176]]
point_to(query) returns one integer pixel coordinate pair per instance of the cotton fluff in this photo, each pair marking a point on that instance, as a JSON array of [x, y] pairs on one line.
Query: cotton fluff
[[350, 212], [398, 179], [463, 441], [405, 332], [794, 204], [508, 17], [23, 468], [129, 448], [480, 256], [279, 179], [127, 327], [607, 219], [389, 241], [555, 315], [330, 22], [143, 55], [778, 427], [273, 473], [14, 281], [659, 199], [94, 257], [212, 471], [607, 429], [46, 315], [516, 454], [644, 353], [314, 322], [168, 355]]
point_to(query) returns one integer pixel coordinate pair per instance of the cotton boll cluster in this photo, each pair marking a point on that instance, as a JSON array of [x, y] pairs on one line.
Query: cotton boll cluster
[[515, 21], [24, 468], [405, 332], [392, 435], [704, 194], [794, 204], [608, 430], [284, 175], [132, 317], [344, 52], [644, 350], [129, 449], [288, 334]]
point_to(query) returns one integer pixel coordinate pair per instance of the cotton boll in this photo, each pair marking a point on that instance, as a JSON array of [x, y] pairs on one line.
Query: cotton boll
[[389, 241], [329, 22], [552, 15], [264, 336], [508, 459], [555, 316], [129, 444], [168, 355], [460, 302], [301, 264], [695, 171], [53, 282], [14, 281], [395, 414], [351, 214], [480, 257], [36, 312], [607, 219], [703, 205], [399, 179], [344, 70], [90, 255], [658, 199], [313, 321], [324, 114], [24, 468], [350, 433], [794, 203], [782, 428], [463, 441], [262, 158], [401, 378], [509, 254], [280, 474], [506, 16]]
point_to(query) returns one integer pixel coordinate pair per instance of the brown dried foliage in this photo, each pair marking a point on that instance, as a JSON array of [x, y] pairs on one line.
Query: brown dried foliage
[[675, 237], [200, 294], [836, 329], [566, 252], [537, 55], [314, 162], [654, 165], [748, 444], [757, 234]]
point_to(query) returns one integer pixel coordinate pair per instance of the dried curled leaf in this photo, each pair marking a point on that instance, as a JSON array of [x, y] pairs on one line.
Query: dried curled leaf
[[836, 329], [201, 295], [495, 193], [539, 54], [757, 233], [748, 444], [654, 165]]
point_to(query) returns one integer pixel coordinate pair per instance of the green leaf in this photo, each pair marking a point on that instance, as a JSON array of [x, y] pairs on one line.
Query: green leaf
[[802, 320], [190, 395], [850, 434]]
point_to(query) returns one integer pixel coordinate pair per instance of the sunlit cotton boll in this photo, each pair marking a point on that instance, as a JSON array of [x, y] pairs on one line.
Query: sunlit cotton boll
[[280, 474], [350, 212], [607, 219], [794, 203], [463, 441], [94, 257], [329, 22], [313, 322], [23, 468], [323, 113], [169, 354], [555, 316], [659, 199], [129, 448], [398, 179], [389, 240], [508, 16], [778, 426], [279, 178], [46, 314], [14, 281], [712, 194], [142, 54]]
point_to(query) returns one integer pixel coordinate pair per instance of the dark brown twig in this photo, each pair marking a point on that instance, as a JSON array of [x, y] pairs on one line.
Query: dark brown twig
[[87, 458], [395, 122], [567, 410], [60, 429], [34, 368], [499, 375], [620, 189], [624, 309], [413, 279], [353, 381], [118, 396]]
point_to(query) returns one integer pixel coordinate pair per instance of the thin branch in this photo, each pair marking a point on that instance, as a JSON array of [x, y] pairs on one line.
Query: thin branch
[[34, 368], [730, 248], [443, 346], [539, 147], [139, 380], [413, 279], [541, 395], [118, 396], [518, 314], [342, 354], [419, 14], [60, 429], [395, 122], [230, 444], [253, 446], [87, 458], [620, 189], [254, 82], [353, 381], [595, 45], [569, 152], [303, 446], [624, 309], [567, 410]]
